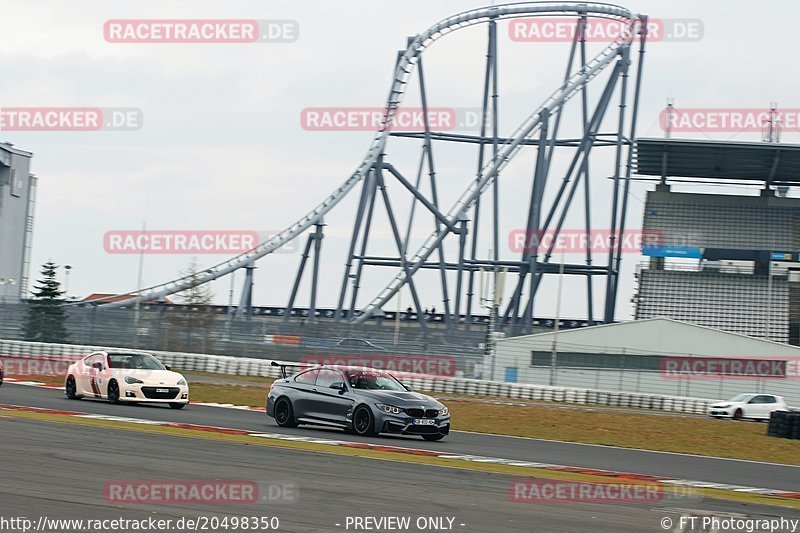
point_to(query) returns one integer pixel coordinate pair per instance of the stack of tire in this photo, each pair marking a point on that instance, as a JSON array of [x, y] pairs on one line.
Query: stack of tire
[[784, 424]]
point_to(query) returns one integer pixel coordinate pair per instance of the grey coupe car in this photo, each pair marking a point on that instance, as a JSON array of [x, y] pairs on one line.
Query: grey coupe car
[[362, 400]]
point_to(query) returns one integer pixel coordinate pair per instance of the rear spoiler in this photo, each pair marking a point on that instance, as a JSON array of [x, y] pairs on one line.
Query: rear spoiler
[[283, 368]]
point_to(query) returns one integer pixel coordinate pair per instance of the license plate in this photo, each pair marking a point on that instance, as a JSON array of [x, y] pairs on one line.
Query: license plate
[[424, 421], [162, 390]]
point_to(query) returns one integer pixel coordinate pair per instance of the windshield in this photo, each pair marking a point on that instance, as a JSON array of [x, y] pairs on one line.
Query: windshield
[[740, 398], [372, 380], [137, 361]]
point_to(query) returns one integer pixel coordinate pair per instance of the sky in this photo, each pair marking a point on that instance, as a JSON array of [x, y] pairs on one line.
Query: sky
[[222, 145]]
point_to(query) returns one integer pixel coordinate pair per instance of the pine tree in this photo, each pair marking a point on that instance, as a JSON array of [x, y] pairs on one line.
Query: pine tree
[[45, 320]]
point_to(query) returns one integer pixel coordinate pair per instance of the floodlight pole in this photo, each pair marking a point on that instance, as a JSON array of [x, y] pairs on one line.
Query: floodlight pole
[[492, 301]]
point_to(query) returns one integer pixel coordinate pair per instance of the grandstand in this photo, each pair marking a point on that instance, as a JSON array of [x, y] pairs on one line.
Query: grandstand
[[723, 261], [732, 302]]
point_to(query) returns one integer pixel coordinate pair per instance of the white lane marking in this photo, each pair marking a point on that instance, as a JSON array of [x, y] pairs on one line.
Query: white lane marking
[[123, 419], [625, 448]]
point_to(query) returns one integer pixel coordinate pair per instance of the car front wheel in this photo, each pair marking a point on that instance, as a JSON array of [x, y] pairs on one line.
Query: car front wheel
[[737, 415], [284, 413], [113, 392], [364, 422]]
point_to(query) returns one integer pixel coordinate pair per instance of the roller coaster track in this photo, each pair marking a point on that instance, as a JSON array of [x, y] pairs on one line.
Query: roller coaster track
[[405, 66]]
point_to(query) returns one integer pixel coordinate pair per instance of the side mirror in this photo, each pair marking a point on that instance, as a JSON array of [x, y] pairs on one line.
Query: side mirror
[[98, 366], [338, 385], [409, 389], [168, 367]]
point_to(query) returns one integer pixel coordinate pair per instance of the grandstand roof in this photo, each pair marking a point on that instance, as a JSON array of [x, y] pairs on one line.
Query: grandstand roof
[[655, 336], [774, 163]]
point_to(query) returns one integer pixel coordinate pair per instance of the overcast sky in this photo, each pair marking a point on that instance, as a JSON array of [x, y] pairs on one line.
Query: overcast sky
[[223, 147]]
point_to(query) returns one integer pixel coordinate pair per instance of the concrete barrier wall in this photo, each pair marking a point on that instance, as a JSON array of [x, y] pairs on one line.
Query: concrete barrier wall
[[242, 366]]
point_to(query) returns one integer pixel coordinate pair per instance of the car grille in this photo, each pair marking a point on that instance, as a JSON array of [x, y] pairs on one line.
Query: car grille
[[151, 394], [422, 430], [423, 413]]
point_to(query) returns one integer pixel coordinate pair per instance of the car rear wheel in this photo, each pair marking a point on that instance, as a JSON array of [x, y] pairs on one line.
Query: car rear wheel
[[70, 389], [433, 437], [113, 392], [284, 413], [363, 422], [177, 405], [737, 415]]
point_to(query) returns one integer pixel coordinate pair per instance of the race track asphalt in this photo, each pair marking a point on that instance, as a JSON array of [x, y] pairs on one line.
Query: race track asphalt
[[59, 471], [708, 469]]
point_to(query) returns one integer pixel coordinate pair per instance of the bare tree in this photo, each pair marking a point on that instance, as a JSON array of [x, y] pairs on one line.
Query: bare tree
[[191, 324]]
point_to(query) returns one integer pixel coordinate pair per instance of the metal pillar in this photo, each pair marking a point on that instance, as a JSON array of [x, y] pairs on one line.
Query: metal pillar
[[245, 308], [490, 75], [612, 298], [315, 240]]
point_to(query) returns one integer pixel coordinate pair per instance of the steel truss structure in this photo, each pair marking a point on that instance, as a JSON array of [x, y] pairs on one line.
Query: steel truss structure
[[539, 131]]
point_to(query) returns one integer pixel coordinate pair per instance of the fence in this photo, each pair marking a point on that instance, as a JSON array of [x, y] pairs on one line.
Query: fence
[[243, 366], [214, 331]]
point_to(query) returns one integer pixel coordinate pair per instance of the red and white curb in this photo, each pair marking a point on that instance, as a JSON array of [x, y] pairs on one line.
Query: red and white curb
[[415, 451]]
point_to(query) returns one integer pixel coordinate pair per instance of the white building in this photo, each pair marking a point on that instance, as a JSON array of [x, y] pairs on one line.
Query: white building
[[17, 200], [630, 356]]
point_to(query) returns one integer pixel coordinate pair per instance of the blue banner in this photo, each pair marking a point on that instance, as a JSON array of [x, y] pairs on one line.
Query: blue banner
[[672, 251]]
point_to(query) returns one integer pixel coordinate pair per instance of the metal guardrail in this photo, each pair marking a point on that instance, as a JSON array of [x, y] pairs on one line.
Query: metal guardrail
[[242, 366]]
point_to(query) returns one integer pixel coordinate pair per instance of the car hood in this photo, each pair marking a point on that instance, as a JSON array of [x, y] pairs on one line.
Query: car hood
[[399, 398], [151, 377]]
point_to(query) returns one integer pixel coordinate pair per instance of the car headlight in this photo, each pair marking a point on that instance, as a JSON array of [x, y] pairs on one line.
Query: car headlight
[[132, 380], [182, 383], [724, 406], [444, 412], [389, 409]]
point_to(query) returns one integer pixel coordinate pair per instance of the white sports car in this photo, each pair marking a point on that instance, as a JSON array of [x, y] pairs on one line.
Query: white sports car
[[749, 405], [125, 377]]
